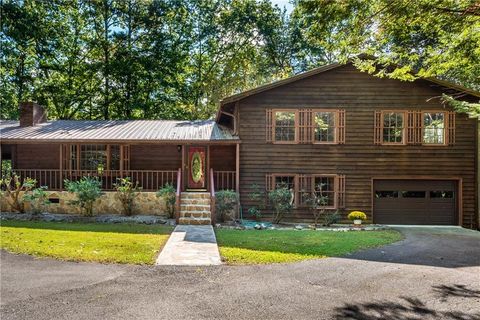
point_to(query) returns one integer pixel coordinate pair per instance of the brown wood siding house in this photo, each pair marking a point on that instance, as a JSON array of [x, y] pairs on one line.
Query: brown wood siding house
[[401, 178], [385, 147]]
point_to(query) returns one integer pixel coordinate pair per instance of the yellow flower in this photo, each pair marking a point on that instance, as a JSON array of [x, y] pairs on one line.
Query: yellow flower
[[357, 215]]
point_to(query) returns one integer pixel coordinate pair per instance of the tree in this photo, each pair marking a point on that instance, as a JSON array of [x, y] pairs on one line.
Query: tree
[[405, 39]]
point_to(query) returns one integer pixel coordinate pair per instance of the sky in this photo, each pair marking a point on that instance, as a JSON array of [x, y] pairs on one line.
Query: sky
[[283, 3]]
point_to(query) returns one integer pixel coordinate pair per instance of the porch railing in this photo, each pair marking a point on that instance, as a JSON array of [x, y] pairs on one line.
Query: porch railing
[[149, 180], [224, 180]]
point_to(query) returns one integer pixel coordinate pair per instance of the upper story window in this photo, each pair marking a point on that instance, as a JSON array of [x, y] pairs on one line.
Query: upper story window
[[393, 127], [414, 127], [434, 128], [285, 126], [305, 126], [325, 126]]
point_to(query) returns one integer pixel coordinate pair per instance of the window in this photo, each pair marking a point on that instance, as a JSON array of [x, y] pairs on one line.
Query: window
[[433, 127], [324, 189], [285, 126], [441, 194], [94, 157], [413, 194], [324, 126], [306, 126], [393, 127], [386, 194], [286, 182]]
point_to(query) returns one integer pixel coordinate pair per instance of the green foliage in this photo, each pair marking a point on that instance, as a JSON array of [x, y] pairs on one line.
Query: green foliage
[[14, 190], [430, 38], [127, 192], [316, 203], [168, 194], [225, 203], [331, 217], [38, 199], [87, 190], [281, 202], [257, 197]]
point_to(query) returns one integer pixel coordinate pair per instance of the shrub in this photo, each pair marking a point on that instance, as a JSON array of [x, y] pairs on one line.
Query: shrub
[[357, 215], [87, 191], [257, 197], [331, 217], [127, 191], [15, 190], [316, 202], [225, 202], [38, 199], [168, 193], [281, 200]]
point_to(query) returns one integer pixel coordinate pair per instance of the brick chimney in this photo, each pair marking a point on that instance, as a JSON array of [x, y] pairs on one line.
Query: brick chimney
[[31, 114]]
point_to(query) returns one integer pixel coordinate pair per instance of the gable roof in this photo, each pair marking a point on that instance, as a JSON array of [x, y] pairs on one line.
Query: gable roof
[[116, 130], [300, 76]]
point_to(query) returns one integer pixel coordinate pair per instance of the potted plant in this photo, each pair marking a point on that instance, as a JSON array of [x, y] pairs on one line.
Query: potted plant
[[357, 217]]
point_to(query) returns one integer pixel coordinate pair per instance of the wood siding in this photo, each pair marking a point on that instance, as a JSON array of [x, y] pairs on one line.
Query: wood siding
[[222, 158], [359, 159], [37, 156], [155, 157]]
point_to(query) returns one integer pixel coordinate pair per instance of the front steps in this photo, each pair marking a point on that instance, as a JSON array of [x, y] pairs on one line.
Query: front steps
[[195, 208]]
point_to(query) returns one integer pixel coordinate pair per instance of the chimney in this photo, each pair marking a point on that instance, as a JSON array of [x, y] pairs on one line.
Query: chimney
[[31, 114]]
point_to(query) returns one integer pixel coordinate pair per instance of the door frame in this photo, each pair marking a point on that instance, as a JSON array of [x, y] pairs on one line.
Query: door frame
[[459, 188], [185, 163]]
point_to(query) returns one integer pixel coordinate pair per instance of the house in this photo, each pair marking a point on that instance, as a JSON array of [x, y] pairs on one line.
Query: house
[[383, 146]]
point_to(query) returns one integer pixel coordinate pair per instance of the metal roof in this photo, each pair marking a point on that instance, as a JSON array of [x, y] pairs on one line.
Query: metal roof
[[117, 130]]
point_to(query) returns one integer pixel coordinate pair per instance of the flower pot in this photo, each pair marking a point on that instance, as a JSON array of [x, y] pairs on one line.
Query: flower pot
[[357, 222]]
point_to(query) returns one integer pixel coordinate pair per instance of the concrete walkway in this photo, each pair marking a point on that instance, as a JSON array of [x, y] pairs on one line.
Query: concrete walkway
[[190, 245]]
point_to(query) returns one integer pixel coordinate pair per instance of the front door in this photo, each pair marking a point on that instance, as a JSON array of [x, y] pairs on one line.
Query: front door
[[196, 168]]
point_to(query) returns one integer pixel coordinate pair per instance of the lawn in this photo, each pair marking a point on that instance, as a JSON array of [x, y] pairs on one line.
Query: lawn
[[277, 246], [109, 243]]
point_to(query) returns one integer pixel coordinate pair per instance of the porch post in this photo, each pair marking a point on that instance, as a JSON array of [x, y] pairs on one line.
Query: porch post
[[61, 167], [237, 169]]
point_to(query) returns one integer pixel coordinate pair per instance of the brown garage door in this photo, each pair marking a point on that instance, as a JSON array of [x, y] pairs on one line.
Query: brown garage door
[[430, 202]]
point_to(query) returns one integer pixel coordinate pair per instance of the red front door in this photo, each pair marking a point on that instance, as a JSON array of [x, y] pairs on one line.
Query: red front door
[[196, 168]]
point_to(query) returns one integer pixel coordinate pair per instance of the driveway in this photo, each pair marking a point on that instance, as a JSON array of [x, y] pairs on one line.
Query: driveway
[[432, 274]]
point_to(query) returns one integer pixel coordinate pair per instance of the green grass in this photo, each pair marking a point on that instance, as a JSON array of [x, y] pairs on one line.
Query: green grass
[[279, 246], [108, 243]]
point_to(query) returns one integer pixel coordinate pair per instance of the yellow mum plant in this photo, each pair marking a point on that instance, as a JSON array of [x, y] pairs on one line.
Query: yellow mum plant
[[357, 215]]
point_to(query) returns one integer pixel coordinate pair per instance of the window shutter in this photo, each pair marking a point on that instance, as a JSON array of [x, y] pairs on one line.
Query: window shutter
[[124, 158], [341, 127], [450, 128], [414, 127], [377, 134], [269, 182], [341, 191], [269, 126], [305, 125]]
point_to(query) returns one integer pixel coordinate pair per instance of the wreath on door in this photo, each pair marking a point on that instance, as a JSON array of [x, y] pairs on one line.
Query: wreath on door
[[196, 167]]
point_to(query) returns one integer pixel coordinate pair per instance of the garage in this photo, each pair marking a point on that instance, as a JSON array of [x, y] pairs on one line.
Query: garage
[[428, 202]]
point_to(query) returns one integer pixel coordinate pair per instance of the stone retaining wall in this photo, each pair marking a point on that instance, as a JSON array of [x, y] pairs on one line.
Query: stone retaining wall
[[146, 203]]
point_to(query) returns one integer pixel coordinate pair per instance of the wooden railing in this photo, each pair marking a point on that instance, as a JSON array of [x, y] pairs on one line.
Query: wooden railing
[[224, 180], [149, 180], [178, 195], [212, 197]]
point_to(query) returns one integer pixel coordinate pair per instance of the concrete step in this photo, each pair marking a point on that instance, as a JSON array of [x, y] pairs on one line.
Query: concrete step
[[194, 207], [195, 221], [195, 195], [195, 201]]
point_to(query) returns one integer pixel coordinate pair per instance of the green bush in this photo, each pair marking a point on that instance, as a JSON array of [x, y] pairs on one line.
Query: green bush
[[281, 201], [38, 199], [331, 217], [257, 197], [225, 202], [14, 190], [126, 192], [168, 194], [87, 191]]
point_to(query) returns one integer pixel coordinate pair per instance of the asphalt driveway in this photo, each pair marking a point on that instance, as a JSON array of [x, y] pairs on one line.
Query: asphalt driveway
[[432, 274]]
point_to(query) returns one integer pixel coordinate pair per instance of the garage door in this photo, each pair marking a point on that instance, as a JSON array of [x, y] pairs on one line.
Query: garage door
[[430, 202]]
